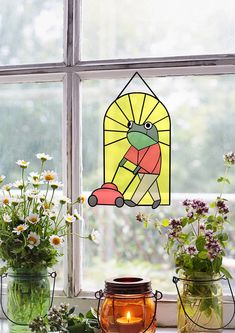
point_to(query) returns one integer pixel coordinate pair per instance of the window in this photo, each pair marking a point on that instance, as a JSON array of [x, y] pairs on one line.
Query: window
[[63, 69]]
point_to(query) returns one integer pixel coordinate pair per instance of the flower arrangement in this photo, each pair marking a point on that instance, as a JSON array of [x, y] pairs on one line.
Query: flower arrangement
[[33, 222], [63, 319], [198, 240]]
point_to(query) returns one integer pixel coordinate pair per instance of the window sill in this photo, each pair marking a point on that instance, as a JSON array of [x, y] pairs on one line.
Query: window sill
[[5, 328]]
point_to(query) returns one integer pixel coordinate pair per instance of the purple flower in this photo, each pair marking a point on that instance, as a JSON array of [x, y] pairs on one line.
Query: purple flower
[[191, 250], [190, 215], [229, 158], [186, 202], [141, 217], [222, 207], [212, 245], [196, 206], [174, 223], [175, 227]]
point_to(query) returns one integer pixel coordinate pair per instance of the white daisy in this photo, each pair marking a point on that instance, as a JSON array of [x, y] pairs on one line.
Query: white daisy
[[47, 206], [56, 184], [56, 241], [6, 200], [18, 184], [20, 228], [16, 201], [2, 177], [64, 200], [33, 218], [81, 199], [95, 236], [42, 197], [76, 214], [6, 218], [43, 157], [33, 194], [7, 187], [23, 164], [35, 182], [34, 175], [69, 218], [33, 240], [49, 175], [50, 214]]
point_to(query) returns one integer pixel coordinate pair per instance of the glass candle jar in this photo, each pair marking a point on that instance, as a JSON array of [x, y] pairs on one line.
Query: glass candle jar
[[129, 305]]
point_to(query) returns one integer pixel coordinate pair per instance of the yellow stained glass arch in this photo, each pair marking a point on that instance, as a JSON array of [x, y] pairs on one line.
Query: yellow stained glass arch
[[137, 153]]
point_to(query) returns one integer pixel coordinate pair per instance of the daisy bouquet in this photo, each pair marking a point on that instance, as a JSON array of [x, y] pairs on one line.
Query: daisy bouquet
[[35, 218]]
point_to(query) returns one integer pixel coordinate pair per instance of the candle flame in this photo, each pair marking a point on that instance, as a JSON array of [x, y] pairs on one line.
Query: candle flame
[[128, 316]]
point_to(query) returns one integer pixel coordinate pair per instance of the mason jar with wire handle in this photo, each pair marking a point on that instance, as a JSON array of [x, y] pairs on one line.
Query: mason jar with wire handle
[[129, 305], [28, 295], [200, 303]]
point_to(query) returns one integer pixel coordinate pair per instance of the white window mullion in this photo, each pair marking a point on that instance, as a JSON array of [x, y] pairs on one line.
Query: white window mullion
[[77, 180], [67, 174], [77, 30], [68, 32]]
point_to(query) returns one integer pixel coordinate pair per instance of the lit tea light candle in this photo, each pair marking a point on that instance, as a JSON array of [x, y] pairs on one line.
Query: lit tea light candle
[[130, 324]]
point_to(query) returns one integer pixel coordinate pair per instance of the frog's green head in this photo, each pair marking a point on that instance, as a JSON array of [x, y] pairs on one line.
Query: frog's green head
[[142, 136]]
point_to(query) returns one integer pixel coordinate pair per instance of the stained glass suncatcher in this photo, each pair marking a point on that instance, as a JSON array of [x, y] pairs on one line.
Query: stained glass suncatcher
[[137, 141]]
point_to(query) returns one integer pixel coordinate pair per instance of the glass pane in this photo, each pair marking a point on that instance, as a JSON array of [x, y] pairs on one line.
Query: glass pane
[[31, 122], [202, 113], [31, 31], [154, 28]]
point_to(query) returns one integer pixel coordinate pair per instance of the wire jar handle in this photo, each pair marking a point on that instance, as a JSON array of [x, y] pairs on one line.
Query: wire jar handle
[[52, 275], [176, 279]]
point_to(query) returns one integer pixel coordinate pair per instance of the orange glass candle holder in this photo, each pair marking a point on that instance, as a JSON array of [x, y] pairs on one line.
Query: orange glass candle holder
[[129, 306]]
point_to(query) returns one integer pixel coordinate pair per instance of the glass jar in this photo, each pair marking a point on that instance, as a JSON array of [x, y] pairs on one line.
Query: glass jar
[[200, 303], [129, 306], [28, 295]]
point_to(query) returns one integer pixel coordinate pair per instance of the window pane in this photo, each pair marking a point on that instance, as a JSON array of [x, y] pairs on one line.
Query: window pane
[[31, 122], [202, 113], [31, 31], [154, 28]]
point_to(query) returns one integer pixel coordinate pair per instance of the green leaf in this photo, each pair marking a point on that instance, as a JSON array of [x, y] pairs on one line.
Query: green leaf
[[200, 243], [71, 310], [145, 224], [217, 264], [219, 219], [91, 314], [203, 255], [223, 180], [210, 219], [212, 204], [165, 222], [184, 221], [224, 237], [225, 272]]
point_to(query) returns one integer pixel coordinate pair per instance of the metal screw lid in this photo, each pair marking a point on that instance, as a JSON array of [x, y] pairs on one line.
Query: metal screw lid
[[128, 286]]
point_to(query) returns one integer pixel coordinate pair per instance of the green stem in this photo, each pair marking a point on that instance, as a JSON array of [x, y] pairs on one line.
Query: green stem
[[47, 190], [223, 183], [53, 192], [24, 197]]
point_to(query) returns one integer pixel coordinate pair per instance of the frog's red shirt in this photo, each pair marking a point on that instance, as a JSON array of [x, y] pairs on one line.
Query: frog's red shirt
[[149, 158]]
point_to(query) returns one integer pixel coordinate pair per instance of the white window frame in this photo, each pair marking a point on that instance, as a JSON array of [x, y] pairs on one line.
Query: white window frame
[[72, 71]]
